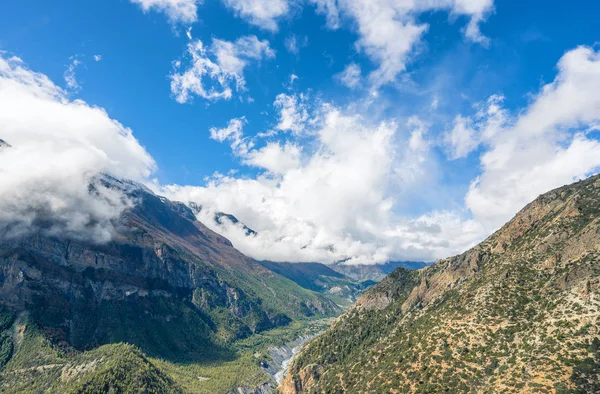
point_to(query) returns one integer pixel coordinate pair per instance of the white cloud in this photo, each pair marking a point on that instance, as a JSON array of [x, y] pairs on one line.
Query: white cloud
[[462, 139], [261, 13], [332, 201], [546, 146], [45, 175], [234, 133], [182, 11], [212, 71], [275, 158], [389, 30], [97, 58], [70, 77], [477, 9], [412, 167], [351, 75], [340, 193], [293, 112], [469, 132], [333, 186], [328, 8]]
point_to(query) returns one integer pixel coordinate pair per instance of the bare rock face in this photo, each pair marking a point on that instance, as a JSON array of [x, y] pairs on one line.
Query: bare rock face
[[306, 378], [519, 312], [162, 269]]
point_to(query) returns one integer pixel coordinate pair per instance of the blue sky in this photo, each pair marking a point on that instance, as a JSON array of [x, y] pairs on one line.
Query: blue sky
[[123, 54]]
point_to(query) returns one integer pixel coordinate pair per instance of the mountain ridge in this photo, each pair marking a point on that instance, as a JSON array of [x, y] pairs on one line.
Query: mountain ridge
[[165, 283], [517, 313]]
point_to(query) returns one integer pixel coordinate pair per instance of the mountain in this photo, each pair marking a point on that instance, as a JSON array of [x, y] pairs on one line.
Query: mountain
[[517, 313], [320, 278], [177, 292], [220, 217], [374, 272]]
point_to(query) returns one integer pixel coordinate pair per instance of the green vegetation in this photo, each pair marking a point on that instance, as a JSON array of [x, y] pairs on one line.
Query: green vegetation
[[519, 312], [117, 368], [39, 365]]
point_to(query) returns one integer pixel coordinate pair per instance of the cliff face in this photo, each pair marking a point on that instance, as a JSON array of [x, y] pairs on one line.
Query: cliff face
[[517, 313], [165, 283]]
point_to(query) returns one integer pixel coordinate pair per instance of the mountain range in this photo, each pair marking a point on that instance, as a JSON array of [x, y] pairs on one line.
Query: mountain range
[[166, 285], [169, 306]]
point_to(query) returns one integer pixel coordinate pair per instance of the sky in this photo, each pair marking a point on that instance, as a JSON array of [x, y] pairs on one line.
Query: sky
[[362, 131]]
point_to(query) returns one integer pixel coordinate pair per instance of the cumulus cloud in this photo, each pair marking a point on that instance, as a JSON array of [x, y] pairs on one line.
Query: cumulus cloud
[[181, 11], [328, 8], [546, 146], [212, 73], [330, 184], [389, 30], [330, 202], [49, 176], [261, 13], [273, 157], [340, 195]]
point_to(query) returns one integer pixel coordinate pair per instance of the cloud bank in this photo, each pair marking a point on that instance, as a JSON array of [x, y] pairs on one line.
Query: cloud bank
[[58, 148], [331, 184], [339, 195]]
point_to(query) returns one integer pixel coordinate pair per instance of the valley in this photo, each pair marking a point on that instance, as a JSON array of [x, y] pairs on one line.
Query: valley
[[168, 305], [172, 307], [299, 197]]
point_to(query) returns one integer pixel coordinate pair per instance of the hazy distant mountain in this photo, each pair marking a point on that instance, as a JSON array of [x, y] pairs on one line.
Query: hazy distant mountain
[[517, 313], [374, 272], [321, 278], [165, 283], [365, 274]]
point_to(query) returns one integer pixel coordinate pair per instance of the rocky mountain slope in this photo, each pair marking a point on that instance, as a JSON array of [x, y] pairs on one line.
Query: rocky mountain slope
[[517, 313], [165, 283]]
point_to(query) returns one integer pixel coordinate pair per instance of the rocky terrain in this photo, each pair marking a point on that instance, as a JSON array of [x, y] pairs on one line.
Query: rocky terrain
[[517, 313]]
